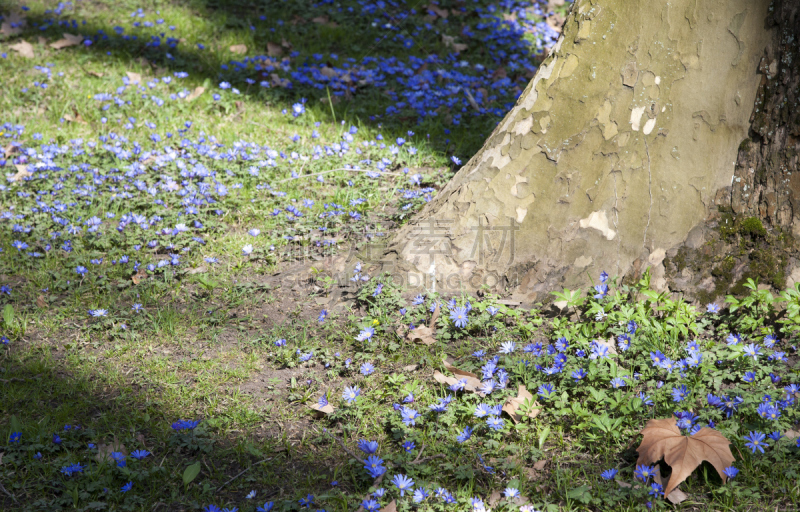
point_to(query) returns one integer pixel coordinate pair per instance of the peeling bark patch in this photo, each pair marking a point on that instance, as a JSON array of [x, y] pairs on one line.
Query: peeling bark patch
[[518, 180], [636, 117], [569, 66], [648, 126], [630, 74], [599, 221]]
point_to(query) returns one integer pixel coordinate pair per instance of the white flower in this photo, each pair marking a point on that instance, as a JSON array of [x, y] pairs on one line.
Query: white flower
[[247, 249]]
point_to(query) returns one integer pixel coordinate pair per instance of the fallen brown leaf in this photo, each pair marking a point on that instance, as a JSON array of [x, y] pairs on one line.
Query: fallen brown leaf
[[322, 409], [676, 496], [10, 149], [134, 78], [13, 24], [196, 93], [421, 334], [321, 20], [278, 81], [24, 48], [22, 173], [239, 49], [434, 317], [609, 344], [67, 40], [74, 119], [199, 270], [328, 71], [512, 405], [274, 50], [662, 438], [450, 42], [442, 13], [472, 380], [138, 276], [41, 301], [391, 507], [539, 465], [104, 450]]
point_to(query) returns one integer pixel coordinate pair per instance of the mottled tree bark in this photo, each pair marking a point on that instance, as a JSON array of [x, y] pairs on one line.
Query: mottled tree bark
[[766, 182], [614, 154]]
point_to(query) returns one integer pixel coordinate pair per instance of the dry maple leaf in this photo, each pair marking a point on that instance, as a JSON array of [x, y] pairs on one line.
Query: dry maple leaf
[[68, 40], [134, 78], [322, 409], [138, 276], [10, 149], [238, 49], [512, 405], [472, 380], [662, 438], [22, 173], [12, 24], [421, 334], [196, 93], [24, 48]]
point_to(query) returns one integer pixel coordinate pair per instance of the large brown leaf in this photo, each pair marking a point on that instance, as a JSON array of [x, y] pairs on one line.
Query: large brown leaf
[[662, 438], [512, 405], [473, 382]]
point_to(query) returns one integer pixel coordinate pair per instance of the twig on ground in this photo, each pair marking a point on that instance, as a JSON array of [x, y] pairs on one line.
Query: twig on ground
[[341, 443], [243, 472], [421, 449], [426, 459], [8, 493]]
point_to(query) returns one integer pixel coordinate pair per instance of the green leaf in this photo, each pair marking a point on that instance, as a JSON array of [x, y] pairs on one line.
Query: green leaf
[[8, 315], [190, 473], [543, 436], [15, 425], [581, 494]]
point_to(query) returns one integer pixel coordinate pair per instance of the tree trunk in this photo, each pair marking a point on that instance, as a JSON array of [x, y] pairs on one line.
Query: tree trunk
[[620, 151]]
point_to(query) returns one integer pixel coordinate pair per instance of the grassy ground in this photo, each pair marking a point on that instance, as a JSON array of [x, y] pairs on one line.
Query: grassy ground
[[173, 219]]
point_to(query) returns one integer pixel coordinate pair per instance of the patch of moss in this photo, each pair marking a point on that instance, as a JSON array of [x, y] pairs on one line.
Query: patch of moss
[[768, 263], [752, 227], [739, 288], [744, 144], [727, 225], [680, 260]]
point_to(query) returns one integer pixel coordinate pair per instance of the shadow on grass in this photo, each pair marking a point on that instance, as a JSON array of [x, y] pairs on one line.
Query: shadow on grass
[[412, 66], [42, 392]]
